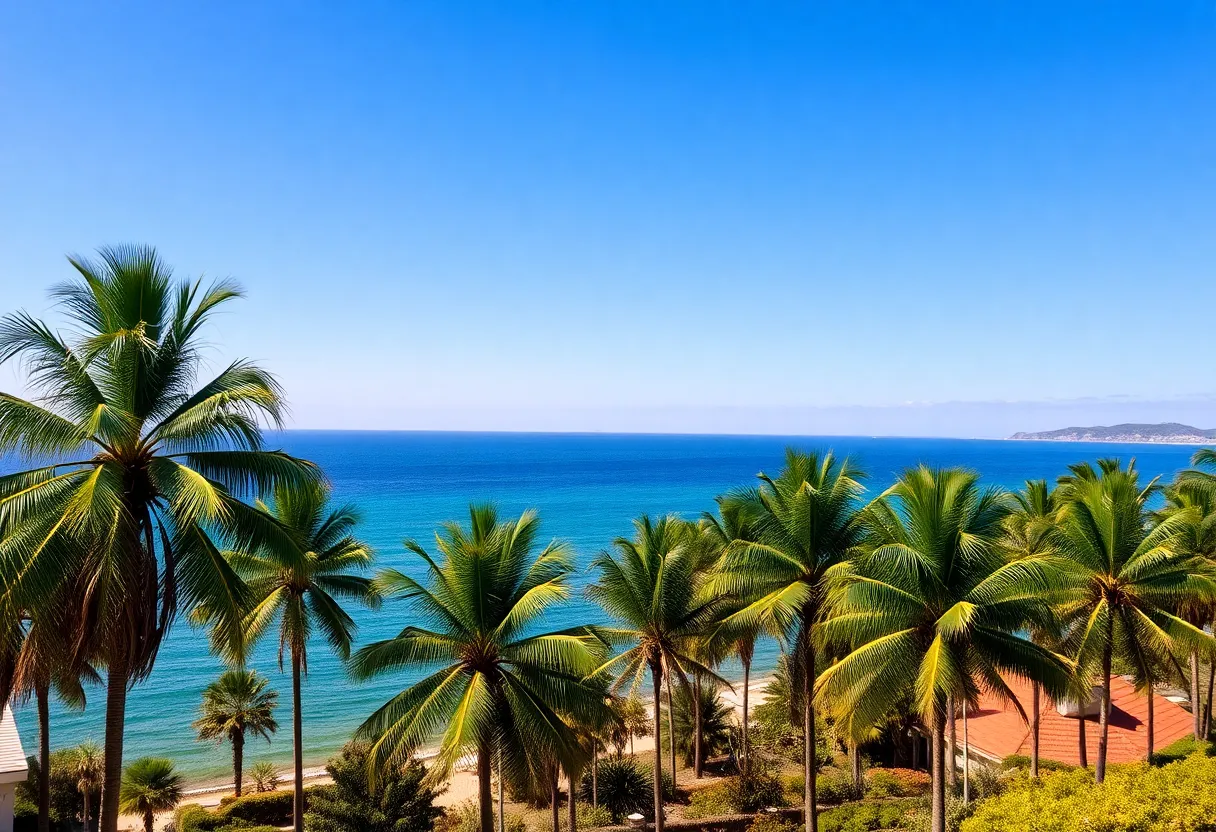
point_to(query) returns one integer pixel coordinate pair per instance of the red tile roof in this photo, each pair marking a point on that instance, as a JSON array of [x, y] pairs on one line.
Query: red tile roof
[[997, 730]]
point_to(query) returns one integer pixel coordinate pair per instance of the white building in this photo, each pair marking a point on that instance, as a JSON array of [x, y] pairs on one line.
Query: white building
[[12, 767]]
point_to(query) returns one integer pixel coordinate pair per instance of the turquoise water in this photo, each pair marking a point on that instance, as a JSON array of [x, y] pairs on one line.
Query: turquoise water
[[586, 488]]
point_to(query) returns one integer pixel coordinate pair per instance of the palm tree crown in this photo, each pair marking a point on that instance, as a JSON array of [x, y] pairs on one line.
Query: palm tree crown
[[150, 785], [496, 683]]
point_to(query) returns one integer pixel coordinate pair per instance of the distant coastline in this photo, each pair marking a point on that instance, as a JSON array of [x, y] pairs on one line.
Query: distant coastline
[[1165, 433]]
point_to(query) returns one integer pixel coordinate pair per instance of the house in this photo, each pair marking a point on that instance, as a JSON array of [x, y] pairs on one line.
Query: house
[[996, 730], [12, 767]]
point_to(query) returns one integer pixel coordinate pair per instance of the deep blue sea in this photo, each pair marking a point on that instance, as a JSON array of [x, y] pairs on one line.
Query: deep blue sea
[[586, 487]]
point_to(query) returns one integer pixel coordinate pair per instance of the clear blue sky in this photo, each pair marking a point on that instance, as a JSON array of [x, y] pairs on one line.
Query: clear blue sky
[[755, 216]]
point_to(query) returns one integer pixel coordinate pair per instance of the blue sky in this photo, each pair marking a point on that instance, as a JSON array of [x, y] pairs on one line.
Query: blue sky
[[846, 217]]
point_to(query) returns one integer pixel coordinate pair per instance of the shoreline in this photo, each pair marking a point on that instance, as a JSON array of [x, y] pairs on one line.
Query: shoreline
[[209, 793]]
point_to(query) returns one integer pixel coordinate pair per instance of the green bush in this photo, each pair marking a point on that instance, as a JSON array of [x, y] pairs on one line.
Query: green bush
[[709, 802], [399, 802], [741, 795], [466, 817], [832, 786], [1181, 749], [625, 787], [25, 813], [866, 816], [896, 782], [67, 804], [1134, 798], [590, 817], [766, 822], [259, 808], [1022, 761]]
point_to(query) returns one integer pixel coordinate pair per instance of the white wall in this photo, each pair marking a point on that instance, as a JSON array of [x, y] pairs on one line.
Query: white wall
[[6, 807]]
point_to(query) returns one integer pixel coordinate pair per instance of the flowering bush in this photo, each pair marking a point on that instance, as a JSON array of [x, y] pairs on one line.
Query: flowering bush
[[896, 782]]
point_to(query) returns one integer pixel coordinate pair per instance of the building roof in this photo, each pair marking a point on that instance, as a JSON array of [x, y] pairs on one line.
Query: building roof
[[997, 730], [12, 756]]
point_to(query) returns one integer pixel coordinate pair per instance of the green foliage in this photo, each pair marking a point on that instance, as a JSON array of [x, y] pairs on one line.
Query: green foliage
[[709, 802], [866, 816], [1134, 798], [274, 808], [466, 817], [716, 725], [149, 785], [633, 719], [591, 817], [743, 794], [1183, 748], [777, 721], [767, 822], [896, 782], [625, 787], [1021, 761], [399, 802], [265, 777], [67, 804], [833, 785]]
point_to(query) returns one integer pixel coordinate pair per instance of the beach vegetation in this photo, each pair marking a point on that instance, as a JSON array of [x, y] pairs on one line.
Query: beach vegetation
[[397, 801], [150, 785], [238, 703]]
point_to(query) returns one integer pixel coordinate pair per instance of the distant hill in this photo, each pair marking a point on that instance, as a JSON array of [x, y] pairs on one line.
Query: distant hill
[[1168, 432]]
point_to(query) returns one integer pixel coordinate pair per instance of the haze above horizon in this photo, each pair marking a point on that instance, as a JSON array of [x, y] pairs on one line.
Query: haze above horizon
[[833, 218]]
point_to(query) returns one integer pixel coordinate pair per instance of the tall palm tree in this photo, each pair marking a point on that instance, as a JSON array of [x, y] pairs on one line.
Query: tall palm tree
[[141, 473], [932, 609], [501, 684], [1128, 575], [805, 522], [88, 766], [299, 581], [236, 704], [1030, 532], [649, 585], [150, 785]]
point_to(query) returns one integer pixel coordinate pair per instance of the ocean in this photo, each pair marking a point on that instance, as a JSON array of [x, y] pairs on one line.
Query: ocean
[[586, 487]]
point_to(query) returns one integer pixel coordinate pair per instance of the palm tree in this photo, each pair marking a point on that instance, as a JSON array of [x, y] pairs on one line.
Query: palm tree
[[234, 705], [88, 766], [1029, 532], [1194, 505], [805, 523], [649, 585], [298, 580], [931, 610], [141, 473], [150, 785], [1127, 576], [501, 684]]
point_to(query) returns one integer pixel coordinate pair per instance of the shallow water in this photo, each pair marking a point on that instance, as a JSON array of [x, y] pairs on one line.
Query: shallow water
[[587, 487]]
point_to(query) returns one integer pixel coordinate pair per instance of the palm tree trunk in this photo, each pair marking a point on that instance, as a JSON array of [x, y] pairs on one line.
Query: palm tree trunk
[[952, 747], [1195, 707], [1149, 756], [937, 768], [297, 735], [116, 713], [1104, 712], [915, 751], [855, 766], [1082, 744], [85, 795], [595, 774], [571, 808], [485, 804], [747, 749], [671, 731], [1207, 709], [1034, 731], [554, 802], [502, 811], [149, 820], [697, 763], [43, 695], [238, 760], [966, 759], [657, 674], [808, 731]]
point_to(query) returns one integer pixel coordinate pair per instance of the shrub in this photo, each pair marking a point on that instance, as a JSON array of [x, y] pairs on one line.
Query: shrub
[[1134, 798], [624, 788], [260, 808], [466, 817], [1181, 749], [766, 822], [716, 718], [737, 795], [399, 802], [833, 785], [589, 817], [67, 804], [265, 777], [1022, 761], [865, 816], [711, 801], [896, 782]]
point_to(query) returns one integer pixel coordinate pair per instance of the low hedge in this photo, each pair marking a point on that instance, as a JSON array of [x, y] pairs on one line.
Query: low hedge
[[870, 815], [1022, 761], [247, 813], [1134, 798], [896, 782]]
